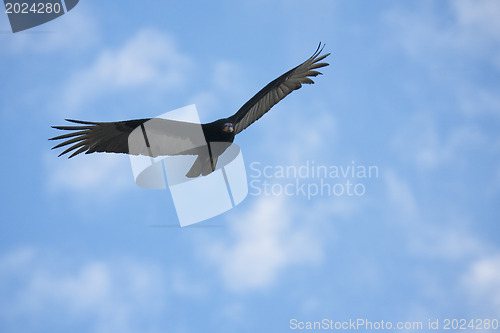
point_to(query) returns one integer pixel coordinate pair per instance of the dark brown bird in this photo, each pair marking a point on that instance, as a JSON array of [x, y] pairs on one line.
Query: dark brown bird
[[168, 137]]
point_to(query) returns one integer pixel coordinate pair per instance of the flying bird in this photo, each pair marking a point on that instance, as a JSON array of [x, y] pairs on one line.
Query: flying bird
[[168, 137]]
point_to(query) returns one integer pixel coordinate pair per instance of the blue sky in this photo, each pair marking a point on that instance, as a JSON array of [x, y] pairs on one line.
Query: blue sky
[[412, 88]]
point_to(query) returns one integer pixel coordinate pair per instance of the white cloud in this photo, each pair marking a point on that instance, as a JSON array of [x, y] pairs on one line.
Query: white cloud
[[149, 59], [444, 239], [420, 142], [109, 295], [482, 281], [474, 100], [314, 133], [207, 103], [99, 174], [16, 260], [229, 77], [224, 90], [300, 135], [268, 239], [400, 195], [472, 30], [452, 241], [479, 17], [450, 238], [454, 50], [183, 285]]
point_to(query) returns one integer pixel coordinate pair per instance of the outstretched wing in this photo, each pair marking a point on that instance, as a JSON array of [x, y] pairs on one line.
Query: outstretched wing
[[149, 137], [278, 89]]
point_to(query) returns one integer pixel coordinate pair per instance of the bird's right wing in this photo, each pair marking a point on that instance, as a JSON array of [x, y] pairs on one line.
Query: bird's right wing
[[149, 137]]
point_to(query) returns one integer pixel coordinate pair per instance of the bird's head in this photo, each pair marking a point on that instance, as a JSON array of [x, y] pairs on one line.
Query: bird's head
[[228, 128]]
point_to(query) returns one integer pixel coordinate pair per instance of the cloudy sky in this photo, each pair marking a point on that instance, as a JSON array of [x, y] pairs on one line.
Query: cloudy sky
[[411, 90]]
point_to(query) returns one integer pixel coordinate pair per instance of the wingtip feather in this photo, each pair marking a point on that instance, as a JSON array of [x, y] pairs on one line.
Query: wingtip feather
[[81, 122], [81, 150]]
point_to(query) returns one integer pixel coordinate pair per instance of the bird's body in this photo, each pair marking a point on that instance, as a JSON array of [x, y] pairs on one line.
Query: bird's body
[[168, 137]]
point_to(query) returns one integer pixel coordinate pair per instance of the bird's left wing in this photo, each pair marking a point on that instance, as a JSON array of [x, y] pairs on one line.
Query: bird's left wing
[[149, 137], [278, 89]]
